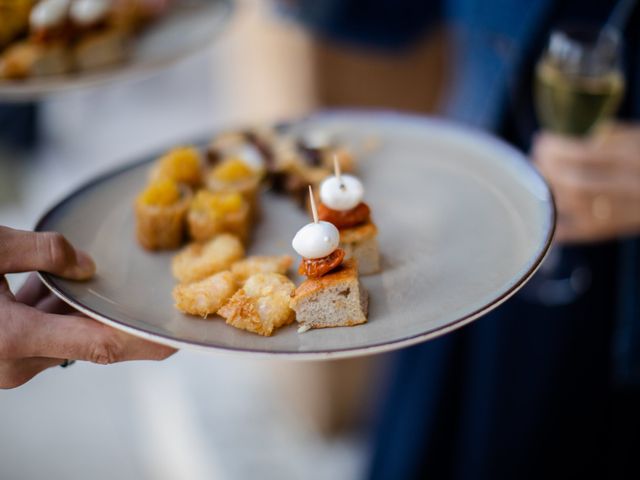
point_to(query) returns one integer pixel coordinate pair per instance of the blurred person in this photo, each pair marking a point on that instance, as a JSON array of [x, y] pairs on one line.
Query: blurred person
[[37, 330], [547, 385]]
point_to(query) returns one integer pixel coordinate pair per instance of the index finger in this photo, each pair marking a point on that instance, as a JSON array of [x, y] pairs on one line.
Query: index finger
[[79, 338], [22, 251]]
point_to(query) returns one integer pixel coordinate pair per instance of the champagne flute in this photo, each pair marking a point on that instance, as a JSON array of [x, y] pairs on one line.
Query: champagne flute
[[578, 88], [579, 84]]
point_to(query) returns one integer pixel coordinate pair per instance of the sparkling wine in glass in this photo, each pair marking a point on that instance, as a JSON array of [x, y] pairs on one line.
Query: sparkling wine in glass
[[579, 84]]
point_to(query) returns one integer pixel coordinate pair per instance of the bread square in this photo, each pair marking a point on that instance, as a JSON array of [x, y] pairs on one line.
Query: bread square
[[361, 244], [261, 305], [336, 299]]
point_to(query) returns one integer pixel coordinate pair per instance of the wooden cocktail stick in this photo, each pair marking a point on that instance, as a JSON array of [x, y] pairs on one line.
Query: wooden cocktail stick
[[314, 210], [338, 173]]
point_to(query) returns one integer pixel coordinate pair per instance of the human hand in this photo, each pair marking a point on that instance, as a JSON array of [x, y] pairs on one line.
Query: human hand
[[37, 330], [595, 181]]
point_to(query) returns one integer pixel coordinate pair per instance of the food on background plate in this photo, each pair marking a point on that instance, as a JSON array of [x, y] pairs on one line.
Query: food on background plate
[[332, 295], [160, 212], [53, 37], [99, 44], [341, 204], [249, 266], [262, 304], [100, 49], [206, 296], [15, 19], [24, 59], [199, 260]]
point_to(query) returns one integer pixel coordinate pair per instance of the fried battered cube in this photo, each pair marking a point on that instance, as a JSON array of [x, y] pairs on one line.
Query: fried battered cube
[[261, 305], [206, 296], [249, 266], [199, 260]]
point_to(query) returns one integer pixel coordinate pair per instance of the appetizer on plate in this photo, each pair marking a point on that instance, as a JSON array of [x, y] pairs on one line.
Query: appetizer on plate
[[160, 211], [206, 296], [234, 174], [341, 204], [306, 160], [245, 145], [199, 260], [332, 295], [262, 304], [335, 299], [180, 164], [213, 213]]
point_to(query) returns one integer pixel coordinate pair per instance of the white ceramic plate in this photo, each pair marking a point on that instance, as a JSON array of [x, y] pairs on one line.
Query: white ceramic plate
[[191, 26], [464, 222]]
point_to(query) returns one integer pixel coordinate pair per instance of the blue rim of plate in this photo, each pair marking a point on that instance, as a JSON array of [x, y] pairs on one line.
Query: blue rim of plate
[[49, 280], [34, 89]]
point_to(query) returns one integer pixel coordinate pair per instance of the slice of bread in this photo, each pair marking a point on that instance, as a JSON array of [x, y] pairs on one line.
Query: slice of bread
[[199, 260], [206, 296], [336, 299], [361, 244], [261, 305]]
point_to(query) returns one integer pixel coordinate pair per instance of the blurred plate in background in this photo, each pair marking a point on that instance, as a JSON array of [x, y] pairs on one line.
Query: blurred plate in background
[[464, 222], [191, 26]]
